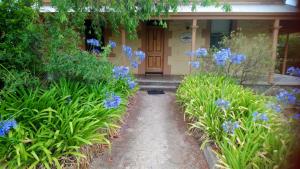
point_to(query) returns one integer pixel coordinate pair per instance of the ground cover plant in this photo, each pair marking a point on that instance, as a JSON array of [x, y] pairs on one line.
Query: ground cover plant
[[248, 129]]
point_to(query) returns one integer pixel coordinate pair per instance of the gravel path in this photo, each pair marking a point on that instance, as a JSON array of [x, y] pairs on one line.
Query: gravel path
[[153, 137]]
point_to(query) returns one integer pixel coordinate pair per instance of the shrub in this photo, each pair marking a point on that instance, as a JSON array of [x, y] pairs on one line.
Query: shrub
[[14, 79], [244, 58], [81, 66], [54, 123], [248, 133]]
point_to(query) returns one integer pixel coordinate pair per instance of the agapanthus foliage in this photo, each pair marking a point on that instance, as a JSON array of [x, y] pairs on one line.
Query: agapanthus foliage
[[230, 127], [6, 126]]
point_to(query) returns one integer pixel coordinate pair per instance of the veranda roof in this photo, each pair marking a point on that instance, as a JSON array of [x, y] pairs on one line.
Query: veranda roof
[[239, 11]]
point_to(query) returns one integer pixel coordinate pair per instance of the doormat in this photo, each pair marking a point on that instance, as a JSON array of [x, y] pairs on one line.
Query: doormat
[[156, 91]]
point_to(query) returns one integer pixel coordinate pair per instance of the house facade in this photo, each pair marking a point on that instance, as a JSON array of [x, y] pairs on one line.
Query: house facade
[[186, 31]]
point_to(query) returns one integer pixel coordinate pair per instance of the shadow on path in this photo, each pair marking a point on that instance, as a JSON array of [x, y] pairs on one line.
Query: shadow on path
[[154, 137]]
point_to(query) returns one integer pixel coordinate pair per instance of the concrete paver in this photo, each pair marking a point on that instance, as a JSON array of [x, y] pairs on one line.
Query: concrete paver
[[153, 137]]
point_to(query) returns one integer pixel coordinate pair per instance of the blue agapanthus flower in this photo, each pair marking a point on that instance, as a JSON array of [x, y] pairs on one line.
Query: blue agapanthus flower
[[201, 52], [195, 64], [97, 51], [274, 107], [120, 72], [190, 53], [134, 64], [237, 58], [264, 117], [294, 71], [222, 103], [222, 56], [6, 126], [112, 44], [286, 97], [127, 51], [112, 101], [229, 126], [296, 116], [260, 116], [296, 91], [140, 54], [131, 84], [93, 42]]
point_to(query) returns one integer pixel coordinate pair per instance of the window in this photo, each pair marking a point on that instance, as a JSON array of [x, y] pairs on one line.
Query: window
[[92, 43], [219, 29]]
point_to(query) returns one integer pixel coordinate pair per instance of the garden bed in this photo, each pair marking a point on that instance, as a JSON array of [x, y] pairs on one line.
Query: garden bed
[[64, 124], [246, 128]]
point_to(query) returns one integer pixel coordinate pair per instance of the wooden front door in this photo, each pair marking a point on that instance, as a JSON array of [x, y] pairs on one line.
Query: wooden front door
[[154, 50]]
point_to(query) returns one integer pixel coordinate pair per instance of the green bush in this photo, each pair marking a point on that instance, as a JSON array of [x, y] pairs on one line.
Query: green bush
[[54, 123], [81, 66], [254, 143]]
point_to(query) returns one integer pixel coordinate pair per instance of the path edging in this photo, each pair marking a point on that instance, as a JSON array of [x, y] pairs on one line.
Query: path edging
[[210, 157]]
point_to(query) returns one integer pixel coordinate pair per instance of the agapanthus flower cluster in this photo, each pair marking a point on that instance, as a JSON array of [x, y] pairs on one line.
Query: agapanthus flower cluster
[[131, 83], [286, 97], [134, 64], [94, 50], [274, 107], [293, 71], [6, 126], [112, 44], [140, 54], [237, 58], [296, 116], [296, 91], [260, 116], [93, 42], [112, 101], [133, 57], [221, 56], [200, 52], [120, 72], [222, 104], [127, 50], [195, 64], [229, 126]]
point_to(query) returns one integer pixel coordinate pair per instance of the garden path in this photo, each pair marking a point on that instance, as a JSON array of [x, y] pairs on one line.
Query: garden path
[[153, 137]]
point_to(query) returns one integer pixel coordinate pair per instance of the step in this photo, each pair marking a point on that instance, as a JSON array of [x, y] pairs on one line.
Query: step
[[158, 82], [158, 87]]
